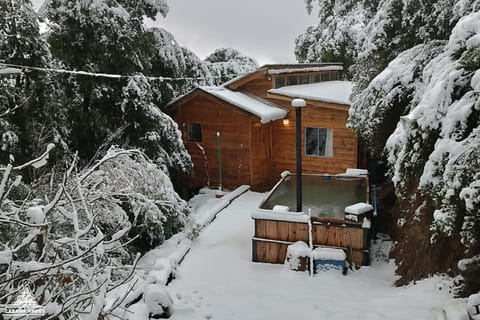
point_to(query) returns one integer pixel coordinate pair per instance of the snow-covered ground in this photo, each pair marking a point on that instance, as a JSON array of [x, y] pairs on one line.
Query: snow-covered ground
[[218, 280]]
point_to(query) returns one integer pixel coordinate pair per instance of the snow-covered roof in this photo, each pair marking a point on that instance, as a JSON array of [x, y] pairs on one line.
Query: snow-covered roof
[[307, 69], [326, 91], [265, 110]]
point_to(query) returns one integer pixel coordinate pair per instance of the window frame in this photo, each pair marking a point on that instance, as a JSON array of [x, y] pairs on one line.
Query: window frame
[[292, 80], [194, 132], [328, 152], [279, 79]]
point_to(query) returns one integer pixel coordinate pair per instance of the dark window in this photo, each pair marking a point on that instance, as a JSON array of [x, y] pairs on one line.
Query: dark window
[[314, 78], [334, 75], [319, 142], [325, 76], [279, 81], [304, 79], [292, 80], [194, 132]]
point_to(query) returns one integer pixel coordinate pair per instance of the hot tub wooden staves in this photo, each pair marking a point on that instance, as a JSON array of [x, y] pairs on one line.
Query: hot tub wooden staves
[[272, 237]]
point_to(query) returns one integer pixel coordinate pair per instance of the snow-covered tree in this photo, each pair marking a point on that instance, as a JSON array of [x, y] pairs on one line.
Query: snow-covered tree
[[339, 34], [225, 63], [169, 59], [109, 37], [32, 113], [415, 66]]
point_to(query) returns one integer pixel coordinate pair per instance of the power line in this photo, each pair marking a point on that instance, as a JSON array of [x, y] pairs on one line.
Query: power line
[[116, 76]]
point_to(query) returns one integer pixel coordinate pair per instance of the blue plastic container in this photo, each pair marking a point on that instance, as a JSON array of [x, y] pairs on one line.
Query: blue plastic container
[[328, 264]]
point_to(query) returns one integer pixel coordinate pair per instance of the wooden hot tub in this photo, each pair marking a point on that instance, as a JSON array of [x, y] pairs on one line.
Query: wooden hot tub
[[325, 198]]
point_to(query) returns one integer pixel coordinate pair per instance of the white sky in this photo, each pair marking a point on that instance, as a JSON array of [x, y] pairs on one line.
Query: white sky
[[263, 29]]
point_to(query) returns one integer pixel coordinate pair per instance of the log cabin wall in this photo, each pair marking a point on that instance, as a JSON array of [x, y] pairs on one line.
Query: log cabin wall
[[258, 86], [255, 153], [315, 115], [213, 115], [261, 156]]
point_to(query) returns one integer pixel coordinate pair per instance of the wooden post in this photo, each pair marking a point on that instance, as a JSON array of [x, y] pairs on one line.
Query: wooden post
[[298, 104], [219, 153]]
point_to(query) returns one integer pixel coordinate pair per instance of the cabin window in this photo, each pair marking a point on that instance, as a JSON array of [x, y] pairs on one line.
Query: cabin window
[[325, 76], [314, 78], [304, 79], [279, 81], [333, 76], [319, 142], [194, 132], [292, 80]]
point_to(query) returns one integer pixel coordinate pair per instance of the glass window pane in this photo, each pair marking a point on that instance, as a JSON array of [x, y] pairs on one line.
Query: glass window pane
[[292, 80], [315, 78], [322, 141], [304, 79], [319, 142], [311, 141], [279, 81], [194, 132]]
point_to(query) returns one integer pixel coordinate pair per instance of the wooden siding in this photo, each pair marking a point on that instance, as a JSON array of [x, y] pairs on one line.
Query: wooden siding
[[261, 165], [281, 230], [271, 239], [268, 252], [234, 126], [258, 86], [320, 116]]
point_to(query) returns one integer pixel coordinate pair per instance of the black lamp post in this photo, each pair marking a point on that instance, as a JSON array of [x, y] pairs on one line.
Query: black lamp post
[[298, 104]]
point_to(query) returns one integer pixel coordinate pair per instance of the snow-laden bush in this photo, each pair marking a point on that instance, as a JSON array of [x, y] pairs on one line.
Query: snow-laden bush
[[76, 245], [145, 194]]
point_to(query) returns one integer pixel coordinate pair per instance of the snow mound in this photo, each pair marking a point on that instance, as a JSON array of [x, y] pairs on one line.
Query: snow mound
[[157, 299], [328, 254], [35, 215], [473, 306]]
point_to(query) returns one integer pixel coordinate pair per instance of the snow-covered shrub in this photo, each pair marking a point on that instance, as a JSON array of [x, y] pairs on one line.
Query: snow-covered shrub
[[145, 195], [73, 244]]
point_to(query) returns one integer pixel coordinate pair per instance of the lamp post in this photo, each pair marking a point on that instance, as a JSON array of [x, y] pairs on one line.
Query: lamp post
[[298, 104]]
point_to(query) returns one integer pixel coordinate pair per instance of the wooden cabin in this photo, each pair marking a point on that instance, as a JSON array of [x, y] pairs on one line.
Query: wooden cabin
[[253, 117]]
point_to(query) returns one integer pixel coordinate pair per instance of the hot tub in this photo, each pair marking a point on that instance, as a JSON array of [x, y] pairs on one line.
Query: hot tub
[[325, 198]]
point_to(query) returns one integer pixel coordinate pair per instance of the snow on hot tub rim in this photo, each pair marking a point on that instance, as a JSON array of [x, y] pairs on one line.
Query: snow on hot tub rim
[[288, 216]]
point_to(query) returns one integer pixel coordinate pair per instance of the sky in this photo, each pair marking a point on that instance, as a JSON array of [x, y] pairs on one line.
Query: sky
[[262, 29]]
